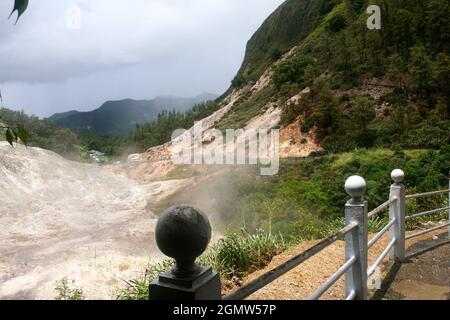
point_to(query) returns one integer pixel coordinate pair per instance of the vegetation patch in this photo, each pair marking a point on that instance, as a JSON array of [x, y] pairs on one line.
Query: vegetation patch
[[234, 256]]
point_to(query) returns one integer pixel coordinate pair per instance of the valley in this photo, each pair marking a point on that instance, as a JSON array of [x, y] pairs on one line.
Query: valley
[[344, 100]]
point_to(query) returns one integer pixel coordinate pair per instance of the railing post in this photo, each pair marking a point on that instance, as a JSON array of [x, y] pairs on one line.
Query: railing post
[[397, 210], [356, 211], [183, 233]]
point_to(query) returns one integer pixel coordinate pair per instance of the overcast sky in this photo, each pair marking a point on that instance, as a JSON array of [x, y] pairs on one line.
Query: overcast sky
[[76, 54]]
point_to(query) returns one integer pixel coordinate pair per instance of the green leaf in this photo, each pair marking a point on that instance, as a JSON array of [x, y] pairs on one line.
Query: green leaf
[[10, 136], [20, 6], [22, 134]]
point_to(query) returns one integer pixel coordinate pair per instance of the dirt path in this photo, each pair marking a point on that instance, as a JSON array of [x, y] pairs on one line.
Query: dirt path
[[300, 282], [426, 273]]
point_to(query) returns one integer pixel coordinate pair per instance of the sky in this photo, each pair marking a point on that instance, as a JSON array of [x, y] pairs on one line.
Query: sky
[[76, 54]]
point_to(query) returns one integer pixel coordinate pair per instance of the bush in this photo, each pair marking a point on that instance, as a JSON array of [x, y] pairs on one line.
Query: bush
[[292, 70], [337, 23], [68, 291], [234, 256], [239, 255], [137, 289], [238, 81], [276, 54]]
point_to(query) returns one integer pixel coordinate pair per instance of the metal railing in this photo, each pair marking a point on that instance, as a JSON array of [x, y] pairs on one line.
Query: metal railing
[[357, 244], [355, 234]]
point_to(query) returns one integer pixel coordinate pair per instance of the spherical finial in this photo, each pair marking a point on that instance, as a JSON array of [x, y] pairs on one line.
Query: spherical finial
[[183, 233], [356, 187], [398, 176]]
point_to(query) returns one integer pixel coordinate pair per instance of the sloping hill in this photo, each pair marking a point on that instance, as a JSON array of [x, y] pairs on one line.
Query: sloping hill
[[314, 70], [62, 218], [284, 28], [120, 117]]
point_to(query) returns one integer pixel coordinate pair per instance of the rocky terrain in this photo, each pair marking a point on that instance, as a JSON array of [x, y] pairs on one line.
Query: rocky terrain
[[66, 219]]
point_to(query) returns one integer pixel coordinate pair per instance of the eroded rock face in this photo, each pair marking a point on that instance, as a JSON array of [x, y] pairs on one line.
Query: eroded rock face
[[156, 163]]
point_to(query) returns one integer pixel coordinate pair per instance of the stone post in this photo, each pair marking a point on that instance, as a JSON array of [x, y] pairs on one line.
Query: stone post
[[183, 233], [356, 241], [397, 211]]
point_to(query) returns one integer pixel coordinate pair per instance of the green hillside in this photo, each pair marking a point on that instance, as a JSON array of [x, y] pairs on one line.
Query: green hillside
[[43, 133], [283, 29], [336, 55]]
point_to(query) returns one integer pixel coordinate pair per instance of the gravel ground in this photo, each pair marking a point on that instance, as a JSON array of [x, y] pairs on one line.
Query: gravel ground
[[426, 273], [300, 282]]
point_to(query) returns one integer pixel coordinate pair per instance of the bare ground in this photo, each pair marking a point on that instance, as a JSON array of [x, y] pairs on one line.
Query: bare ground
[[300, 282], [66, 219], [425, 275]]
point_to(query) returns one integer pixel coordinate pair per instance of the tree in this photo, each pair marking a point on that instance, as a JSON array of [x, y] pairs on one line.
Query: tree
[[361, 114], [397, 71], [20, 6], [441, 71], [13, 134], [292, 70], [337, 23], [420, 69], [325, 108]]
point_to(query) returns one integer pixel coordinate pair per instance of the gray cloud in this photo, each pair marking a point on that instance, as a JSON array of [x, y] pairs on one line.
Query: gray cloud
[[135, 49]]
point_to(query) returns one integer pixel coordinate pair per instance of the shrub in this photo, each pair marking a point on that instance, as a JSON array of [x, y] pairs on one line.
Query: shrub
[[337, 23], [238, 81], [137, 289], [236, 255], [68, 291], [239, 255], [276, 54], [292, 70]]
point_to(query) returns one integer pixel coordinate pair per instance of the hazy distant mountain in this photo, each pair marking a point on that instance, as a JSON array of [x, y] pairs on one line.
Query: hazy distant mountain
[[119, 117]]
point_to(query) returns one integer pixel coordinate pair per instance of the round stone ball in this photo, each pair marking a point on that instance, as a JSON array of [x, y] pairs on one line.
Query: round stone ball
[[398, 176], [356, 187], [183, 233]]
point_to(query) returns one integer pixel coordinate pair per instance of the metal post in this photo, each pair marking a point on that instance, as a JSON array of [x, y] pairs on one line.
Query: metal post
[[397, 211], [356, 241]]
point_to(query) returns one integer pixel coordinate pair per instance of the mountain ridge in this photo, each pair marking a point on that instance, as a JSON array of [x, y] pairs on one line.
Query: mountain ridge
[[119, 117]]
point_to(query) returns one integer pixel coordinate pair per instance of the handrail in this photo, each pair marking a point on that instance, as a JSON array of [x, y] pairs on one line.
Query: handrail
[[382, 207], [332, 280], [426, 194], [417, 215], [381, 233], [277, 272], [426, 231], [356, 246], [351, 296], [381, 258]]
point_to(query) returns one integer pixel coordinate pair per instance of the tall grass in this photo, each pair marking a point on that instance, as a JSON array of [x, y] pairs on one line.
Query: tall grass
[[237, 255], [234, 256]]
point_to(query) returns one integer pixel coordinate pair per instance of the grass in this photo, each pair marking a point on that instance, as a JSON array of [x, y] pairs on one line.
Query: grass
[[304, 201], [234, 256], [137, 289]]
